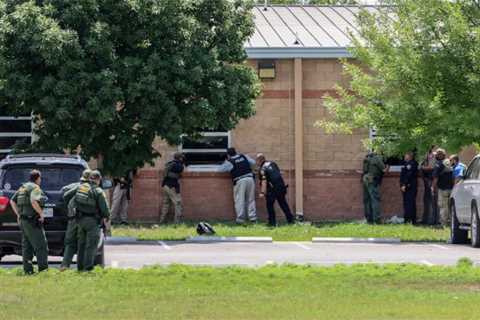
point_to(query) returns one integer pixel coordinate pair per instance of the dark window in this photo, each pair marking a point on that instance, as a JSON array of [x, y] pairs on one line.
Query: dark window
[[15, 126], [206, 142], [8, 142], [473, 171], [53, 178], [208, 149]]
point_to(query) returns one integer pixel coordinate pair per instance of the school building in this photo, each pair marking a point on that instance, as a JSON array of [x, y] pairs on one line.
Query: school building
[[296, 52]]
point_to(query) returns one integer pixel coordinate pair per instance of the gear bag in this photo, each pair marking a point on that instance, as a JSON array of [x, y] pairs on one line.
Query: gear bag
[[204, 228]]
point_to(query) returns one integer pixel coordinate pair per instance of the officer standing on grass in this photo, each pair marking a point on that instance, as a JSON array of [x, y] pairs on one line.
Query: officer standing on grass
[[408, 186], [442, 184], [71, 235], [91, 209], [240, 168], [27, 204], [273, 187], [171, 188], [373, 171]]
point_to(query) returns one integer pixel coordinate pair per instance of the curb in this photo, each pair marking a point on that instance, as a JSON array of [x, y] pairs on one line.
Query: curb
[[120, 240], [356, 240], [206, 239]]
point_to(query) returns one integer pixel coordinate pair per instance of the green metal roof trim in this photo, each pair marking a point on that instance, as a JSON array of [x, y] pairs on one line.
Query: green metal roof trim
[[290, 53]]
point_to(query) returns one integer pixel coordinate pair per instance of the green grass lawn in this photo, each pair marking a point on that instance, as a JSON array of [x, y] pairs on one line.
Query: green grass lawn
[[290, 233], [273, 292]]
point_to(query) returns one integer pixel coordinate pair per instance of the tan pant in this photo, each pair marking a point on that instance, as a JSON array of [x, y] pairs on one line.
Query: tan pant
[[119, 204], [444, 212], [171, 197]]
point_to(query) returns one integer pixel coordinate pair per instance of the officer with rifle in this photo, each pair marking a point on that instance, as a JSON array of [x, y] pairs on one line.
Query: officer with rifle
[[92, 210], [27, 203], [71, 234]]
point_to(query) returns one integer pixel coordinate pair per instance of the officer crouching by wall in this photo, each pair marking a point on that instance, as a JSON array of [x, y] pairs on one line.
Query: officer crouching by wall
[[273, 188]]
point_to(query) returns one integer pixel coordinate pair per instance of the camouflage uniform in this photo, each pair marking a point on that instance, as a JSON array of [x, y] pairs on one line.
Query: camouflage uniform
[[34, 241], [373, 170]]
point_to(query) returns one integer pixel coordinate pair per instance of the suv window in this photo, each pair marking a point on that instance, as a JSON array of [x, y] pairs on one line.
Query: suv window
[[473, 171], [53, 178]]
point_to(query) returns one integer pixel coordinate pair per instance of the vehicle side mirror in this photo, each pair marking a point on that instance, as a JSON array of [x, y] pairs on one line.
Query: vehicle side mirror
[[107, 184]]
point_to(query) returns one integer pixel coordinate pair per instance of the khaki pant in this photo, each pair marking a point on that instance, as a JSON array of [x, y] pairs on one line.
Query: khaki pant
[[119, 204], [244, 197], [171, 197], [443, 199]]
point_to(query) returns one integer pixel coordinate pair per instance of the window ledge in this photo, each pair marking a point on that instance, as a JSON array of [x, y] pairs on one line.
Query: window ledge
[[203, 168]]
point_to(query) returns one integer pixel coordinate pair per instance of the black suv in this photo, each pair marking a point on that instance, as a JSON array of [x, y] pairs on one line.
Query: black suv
[[57, 171]]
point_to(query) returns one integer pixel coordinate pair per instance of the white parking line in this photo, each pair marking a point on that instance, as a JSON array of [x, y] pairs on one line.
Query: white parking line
[[427, 263], [439, 246], [301, 245], [164, 245]]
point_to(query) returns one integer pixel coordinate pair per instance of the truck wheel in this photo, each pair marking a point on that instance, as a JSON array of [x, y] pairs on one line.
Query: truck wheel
[[475, 227], [100, 257], [458, 236]]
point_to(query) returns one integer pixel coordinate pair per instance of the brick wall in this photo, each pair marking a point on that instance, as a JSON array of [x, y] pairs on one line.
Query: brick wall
[[332, 188], [208, 196]]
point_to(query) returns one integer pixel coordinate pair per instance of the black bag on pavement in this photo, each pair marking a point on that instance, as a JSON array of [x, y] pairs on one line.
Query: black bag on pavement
[[204, 228]]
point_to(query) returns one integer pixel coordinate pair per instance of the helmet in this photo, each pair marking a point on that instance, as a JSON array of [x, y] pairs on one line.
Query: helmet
[[86, 174]]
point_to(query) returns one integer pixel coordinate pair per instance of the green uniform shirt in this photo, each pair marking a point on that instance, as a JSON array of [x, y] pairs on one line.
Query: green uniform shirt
[[25, 205], [101, 200], [373, 166]]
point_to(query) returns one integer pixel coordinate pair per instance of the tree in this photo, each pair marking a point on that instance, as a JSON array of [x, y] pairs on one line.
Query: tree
[[317, 2], [107, 77], [416, 77]]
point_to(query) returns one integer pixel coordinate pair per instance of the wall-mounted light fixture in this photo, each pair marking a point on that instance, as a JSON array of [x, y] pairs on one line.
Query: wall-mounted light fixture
[[266, 69]]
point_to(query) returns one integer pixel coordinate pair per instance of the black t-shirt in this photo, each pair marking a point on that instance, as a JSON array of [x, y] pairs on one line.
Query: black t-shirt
[[270, 172], [444, 175]]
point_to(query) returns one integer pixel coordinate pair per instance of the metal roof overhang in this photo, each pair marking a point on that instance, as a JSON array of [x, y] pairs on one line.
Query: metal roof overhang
[[290, 53]]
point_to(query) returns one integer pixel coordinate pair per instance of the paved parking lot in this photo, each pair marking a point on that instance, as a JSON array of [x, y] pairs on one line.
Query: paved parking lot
[[257, 254]]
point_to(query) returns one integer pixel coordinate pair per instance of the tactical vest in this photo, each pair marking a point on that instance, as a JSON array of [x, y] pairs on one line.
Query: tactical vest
[[168, 173], [370, 168], [241, 167], [23, 199], [86, 199], [274, 176]]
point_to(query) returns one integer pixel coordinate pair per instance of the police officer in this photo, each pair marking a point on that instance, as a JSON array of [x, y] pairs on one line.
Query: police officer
[[91, 209], [373, 171], [71, 235], [408, 186], [442, 184], [273, 187], [171, 187], [240, 168], [27, 204], [121, 198]]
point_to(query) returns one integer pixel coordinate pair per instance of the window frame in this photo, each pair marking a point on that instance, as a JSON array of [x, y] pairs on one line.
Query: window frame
[[16, 134], [207, 167]]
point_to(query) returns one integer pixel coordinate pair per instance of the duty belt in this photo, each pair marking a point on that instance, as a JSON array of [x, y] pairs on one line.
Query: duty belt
[[27, 217], [86, 214], [248, 175]]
